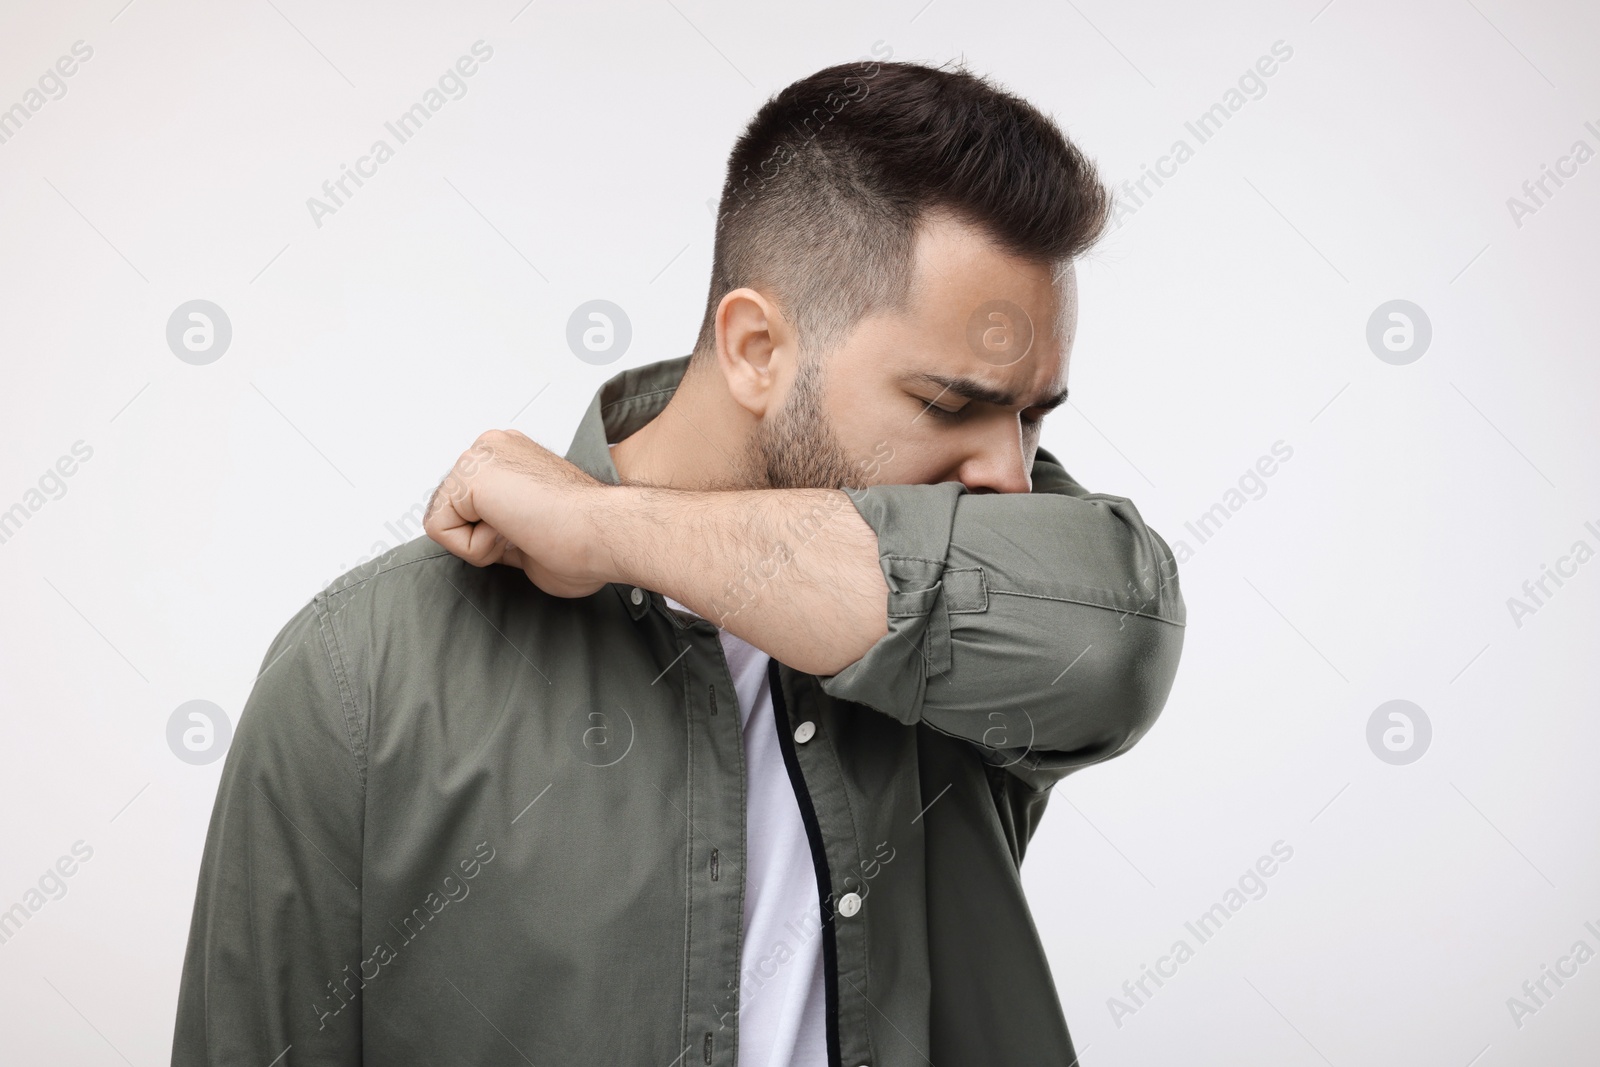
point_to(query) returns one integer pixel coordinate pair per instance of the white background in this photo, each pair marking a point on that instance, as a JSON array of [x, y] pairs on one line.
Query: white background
[[1226, 313]]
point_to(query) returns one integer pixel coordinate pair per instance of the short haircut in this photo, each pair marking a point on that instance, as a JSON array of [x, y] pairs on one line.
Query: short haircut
[[827, 185]]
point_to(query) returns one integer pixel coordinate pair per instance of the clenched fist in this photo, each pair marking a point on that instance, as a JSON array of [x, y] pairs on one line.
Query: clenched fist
[[510, 500]]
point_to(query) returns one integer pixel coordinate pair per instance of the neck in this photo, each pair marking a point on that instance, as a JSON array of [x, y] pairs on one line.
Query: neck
[[698, 441]]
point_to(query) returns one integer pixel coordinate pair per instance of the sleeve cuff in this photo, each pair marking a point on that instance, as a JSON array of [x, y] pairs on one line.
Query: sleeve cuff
[[912, 524]]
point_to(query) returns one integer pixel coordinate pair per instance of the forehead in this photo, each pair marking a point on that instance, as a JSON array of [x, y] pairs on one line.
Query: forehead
[[977, 311]]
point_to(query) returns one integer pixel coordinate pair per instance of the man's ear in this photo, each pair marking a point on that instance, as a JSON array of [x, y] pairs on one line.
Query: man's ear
[[755, 349]]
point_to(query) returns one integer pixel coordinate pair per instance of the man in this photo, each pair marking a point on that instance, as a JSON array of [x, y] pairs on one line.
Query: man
[[722, 745]]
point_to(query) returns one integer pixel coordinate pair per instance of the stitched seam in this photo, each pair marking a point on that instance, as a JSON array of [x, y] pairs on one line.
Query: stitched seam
[[688, 874], [914, 612], [744, 851], [855, 835], [347, 708], [330, 593], [1087, 604], [638, 396]]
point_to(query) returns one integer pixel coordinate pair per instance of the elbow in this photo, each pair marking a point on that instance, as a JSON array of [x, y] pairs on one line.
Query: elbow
[[1145, 674], [1114, 692], [1140, 677]]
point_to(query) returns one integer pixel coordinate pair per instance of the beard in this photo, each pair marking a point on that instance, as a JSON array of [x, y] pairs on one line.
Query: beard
[[797, 448]]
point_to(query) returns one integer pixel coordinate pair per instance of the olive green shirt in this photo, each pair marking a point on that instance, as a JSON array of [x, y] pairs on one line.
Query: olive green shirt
[[466, 822]]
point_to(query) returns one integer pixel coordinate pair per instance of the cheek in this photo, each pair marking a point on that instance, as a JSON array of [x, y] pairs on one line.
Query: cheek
[[917, 457], [863, 420]]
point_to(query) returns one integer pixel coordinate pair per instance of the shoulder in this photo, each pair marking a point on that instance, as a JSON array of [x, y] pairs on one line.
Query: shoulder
[[384, 640], [402, 569], [396, 615], [419, 598], [401, 621]]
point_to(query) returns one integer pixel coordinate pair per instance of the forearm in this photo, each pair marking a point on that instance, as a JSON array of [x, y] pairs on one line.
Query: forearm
[[794, 572]]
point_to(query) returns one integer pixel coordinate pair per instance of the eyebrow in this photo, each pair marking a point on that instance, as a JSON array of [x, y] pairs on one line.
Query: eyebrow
[[973, 389]]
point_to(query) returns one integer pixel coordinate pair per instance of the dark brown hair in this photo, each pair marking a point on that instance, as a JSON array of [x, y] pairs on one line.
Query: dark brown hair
[[828, 183]]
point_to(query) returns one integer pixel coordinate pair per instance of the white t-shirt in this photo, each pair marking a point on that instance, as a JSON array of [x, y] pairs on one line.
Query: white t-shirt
[[781, 999]]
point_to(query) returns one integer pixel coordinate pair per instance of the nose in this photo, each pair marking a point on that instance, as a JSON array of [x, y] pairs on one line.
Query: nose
[[997, 465]]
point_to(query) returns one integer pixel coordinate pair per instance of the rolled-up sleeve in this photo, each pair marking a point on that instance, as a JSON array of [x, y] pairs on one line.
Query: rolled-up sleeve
[[1044, 627]]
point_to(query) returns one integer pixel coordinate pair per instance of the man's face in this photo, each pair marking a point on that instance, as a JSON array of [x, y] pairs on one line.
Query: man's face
[[951, 390]]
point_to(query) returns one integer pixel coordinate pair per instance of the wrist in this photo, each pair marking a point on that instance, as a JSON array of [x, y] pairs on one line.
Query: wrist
[[614, 519]]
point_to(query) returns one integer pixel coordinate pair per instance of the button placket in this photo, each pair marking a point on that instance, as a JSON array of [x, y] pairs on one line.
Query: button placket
[[820, 789], [716, 836]]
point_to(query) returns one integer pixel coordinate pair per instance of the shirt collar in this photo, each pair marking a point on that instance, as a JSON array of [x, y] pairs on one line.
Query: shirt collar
[[622, 405]]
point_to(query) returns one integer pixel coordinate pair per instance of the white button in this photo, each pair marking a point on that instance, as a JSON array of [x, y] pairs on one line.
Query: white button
[[849, 904], [638, 596], [804, 731]]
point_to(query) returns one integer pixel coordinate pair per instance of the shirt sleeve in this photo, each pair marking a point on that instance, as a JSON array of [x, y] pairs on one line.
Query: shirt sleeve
[[277, 913], [1044, 627]]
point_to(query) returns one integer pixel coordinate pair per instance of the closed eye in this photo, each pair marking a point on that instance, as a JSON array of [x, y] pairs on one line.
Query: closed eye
[[931, 407], [953, 414], [977, 392]]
